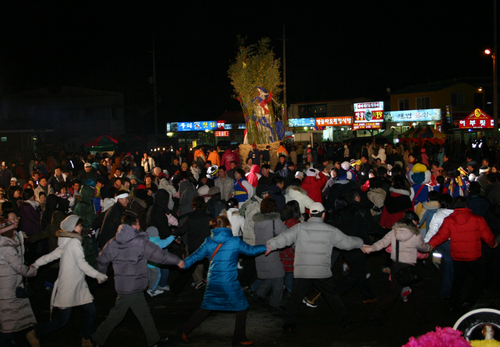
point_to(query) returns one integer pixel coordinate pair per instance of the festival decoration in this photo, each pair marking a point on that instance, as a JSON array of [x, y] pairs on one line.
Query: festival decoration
[[256, 79]]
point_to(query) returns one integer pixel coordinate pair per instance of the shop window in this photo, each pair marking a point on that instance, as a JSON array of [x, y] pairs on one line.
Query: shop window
[[404, 104], [318, 110], [423, 103], [3, 139], [457, 99]]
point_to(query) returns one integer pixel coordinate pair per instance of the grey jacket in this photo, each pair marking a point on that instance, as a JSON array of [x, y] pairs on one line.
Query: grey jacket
[[16, 314], [269, 266], [314, 242], [129, 251]]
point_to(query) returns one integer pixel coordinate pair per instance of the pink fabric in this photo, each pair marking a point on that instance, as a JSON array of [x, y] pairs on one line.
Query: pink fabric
[[441, 337]]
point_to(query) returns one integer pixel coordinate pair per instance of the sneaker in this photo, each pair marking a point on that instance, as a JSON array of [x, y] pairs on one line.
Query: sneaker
[[386, 270], [161, 342], [155, 292], [309, 303], [166, 288], [239, 266], [200, 285], [32, 339]]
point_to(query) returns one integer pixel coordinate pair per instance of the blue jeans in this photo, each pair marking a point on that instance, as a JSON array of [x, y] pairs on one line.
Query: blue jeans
[[62, 318], [289, 281], [164, 272], [448, 272]]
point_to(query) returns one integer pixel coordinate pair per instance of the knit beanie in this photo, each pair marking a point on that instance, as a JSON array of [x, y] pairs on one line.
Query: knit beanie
[[152, 231]]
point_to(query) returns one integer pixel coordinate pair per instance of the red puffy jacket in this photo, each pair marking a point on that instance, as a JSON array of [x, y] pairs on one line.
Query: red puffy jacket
[[313, 186], [465, 231]]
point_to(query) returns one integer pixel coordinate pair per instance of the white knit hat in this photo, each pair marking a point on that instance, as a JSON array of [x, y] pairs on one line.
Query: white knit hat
[[345, 165]]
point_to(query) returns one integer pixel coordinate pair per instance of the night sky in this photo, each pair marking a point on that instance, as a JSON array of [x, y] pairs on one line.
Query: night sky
[[334, 51]]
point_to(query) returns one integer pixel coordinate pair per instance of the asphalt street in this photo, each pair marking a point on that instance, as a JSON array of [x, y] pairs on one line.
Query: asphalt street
[[316, 326]]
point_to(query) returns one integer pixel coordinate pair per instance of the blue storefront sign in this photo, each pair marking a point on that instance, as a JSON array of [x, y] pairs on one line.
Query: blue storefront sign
[[197, 126], [301, 122]]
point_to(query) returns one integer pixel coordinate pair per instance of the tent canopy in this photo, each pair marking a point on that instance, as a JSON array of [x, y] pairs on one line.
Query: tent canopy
[[102, 143]]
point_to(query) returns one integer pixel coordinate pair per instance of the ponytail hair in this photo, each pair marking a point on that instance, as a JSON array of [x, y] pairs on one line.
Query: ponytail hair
[[219, 222]]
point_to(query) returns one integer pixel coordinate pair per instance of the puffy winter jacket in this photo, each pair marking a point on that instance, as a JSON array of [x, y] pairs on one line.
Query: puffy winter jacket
[[314, 185], [129, 252], [314, 242], [465, 231], [223, 290], [410, 241], [300, 195]]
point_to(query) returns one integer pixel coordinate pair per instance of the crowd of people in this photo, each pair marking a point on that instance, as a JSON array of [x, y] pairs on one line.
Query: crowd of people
[[268, 226]]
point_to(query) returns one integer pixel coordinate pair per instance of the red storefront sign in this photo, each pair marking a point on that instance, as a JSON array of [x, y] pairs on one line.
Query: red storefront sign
[[477, 120], [361, 126], [221, 133], [220, 124], [369, 112], [333, 121]]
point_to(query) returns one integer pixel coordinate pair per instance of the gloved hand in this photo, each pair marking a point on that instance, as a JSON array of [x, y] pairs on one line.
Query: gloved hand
[[101, 278]]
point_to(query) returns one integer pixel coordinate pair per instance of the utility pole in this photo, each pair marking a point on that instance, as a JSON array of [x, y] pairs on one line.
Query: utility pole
[[154, 94], [495, 79], [285, 114]]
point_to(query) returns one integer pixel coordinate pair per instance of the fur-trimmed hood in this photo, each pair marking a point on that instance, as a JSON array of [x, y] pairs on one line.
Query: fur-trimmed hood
[[65, 234], [297, 189], [431, 205], [260, 217]]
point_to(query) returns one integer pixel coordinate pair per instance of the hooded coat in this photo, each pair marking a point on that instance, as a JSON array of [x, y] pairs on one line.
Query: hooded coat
[[16, 313], [130, 252], [252, 177], [70, 289], [410, 241], [465, 231], [313, 186], [157, 214], [197, 228], [85, 208], [223, 291], [266, 227]]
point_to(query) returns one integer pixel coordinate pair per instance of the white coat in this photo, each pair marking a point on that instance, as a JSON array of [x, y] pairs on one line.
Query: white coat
[[70, 289]]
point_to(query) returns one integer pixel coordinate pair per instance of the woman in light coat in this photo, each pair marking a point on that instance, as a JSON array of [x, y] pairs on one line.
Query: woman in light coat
[[70, 289], [16, 313]]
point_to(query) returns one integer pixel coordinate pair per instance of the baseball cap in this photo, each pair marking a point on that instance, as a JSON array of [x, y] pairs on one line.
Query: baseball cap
[[317, 207], [87, 164], [214, 190], [13, 179]]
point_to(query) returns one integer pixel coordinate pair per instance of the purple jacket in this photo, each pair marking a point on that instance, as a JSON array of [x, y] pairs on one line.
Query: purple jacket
[[30, 221], [129, 251]]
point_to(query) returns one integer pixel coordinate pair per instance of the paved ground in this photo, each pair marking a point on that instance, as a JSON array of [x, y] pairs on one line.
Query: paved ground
[[317, 327]]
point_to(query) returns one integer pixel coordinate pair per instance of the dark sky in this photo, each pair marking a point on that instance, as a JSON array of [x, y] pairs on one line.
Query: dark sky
[[334, 51]]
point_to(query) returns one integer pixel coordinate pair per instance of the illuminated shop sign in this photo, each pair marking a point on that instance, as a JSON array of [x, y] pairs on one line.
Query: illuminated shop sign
[[369, 112], [301, 122], [333, 121], [371, 125], [433, 114]]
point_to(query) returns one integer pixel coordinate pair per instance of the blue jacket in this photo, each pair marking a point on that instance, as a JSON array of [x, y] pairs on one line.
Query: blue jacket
[[223, 291]]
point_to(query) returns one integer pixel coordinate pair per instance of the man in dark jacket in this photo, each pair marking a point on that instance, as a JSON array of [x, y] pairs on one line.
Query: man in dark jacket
[[129, 252], [339, 189], [158, 214], [197, 228], [355, 220], [276, 191], [216, 204], [112, 219], [475, 201]]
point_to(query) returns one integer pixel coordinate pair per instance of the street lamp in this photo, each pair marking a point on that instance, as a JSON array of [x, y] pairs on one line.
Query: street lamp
[[495, 91]]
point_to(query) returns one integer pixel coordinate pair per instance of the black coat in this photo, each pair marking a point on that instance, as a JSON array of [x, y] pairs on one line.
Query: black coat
[[355, 220], [197, 227], [157, 214], [110, 224]]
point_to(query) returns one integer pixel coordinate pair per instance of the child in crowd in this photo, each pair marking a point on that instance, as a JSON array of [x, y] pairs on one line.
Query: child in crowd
[[153, 269]]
